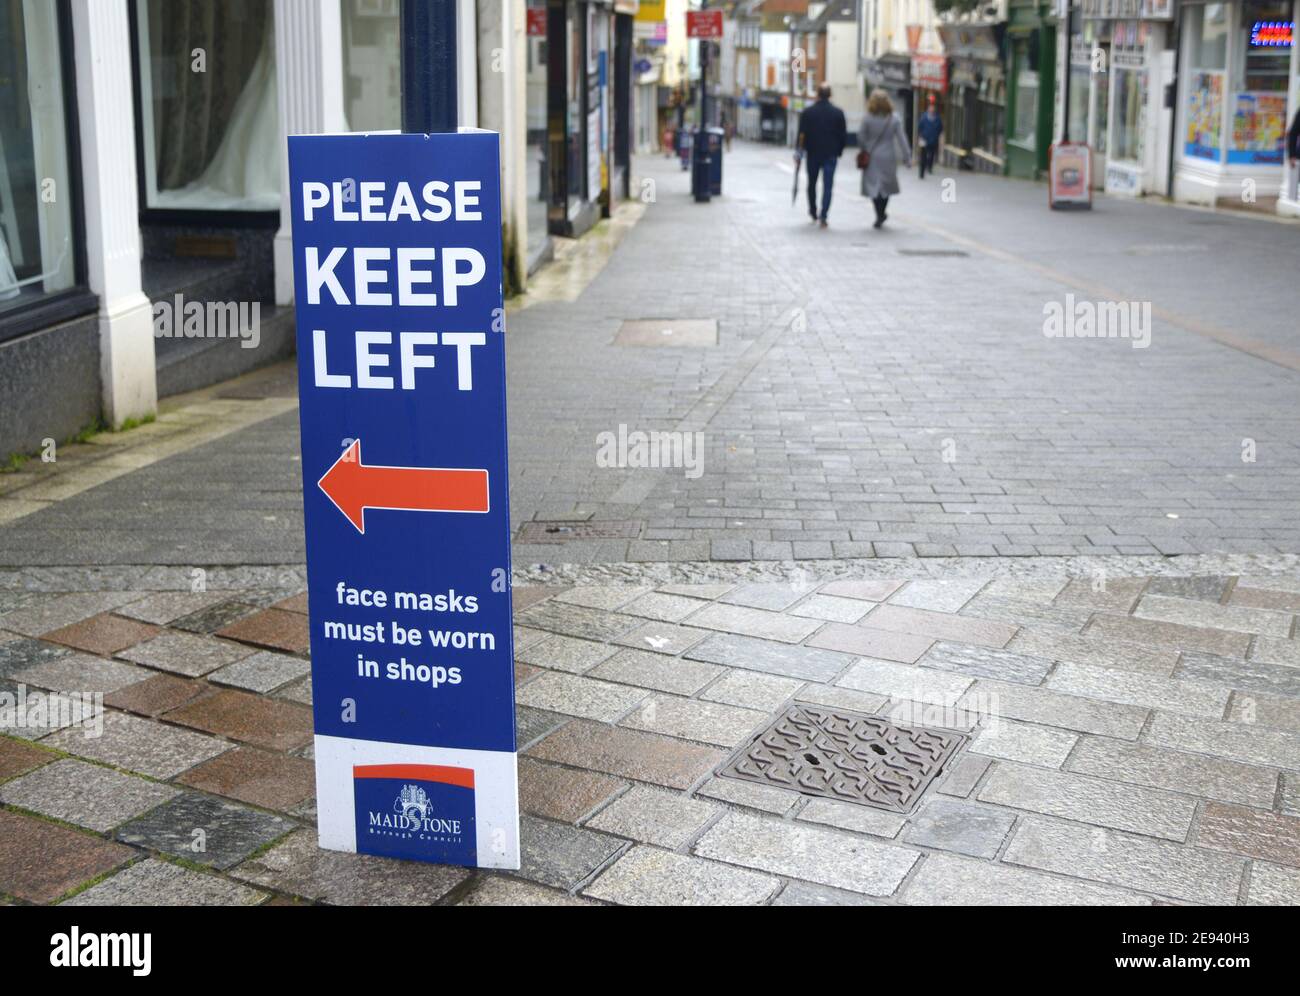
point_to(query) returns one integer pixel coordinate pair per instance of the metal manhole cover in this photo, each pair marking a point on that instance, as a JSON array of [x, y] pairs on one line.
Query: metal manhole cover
[[933, 252], [833, 754], [563, 532], [667, 332]]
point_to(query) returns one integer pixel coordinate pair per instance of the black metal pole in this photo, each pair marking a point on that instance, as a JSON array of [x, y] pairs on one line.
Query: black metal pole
[[700, 159], [428, 65], [705, 52], [1069, 70]]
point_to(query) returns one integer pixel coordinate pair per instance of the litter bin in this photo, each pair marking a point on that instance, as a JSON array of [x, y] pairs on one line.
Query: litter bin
[[706, 171], [700, 186], [717, 136]]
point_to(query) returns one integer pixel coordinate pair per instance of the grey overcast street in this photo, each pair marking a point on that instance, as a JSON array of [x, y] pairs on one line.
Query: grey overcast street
[[566, 510]]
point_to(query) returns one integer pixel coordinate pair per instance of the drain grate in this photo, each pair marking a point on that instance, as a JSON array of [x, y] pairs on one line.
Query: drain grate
[[563, 532], [933, 252], [846, 756]]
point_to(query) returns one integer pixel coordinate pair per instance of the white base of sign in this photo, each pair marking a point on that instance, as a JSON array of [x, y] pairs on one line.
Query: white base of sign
[[340, 761]]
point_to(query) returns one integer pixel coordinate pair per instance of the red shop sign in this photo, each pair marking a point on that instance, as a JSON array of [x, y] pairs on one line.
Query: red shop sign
[[930, 72], [704, 24]]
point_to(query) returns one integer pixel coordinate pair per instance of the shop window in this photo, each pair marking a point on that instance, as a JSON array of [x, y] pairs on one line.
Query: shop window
[[1258, 107], [1026, 102], [990, 118], [573, 119], [208, 105], [38, 239], [372, 53], [1207, 26], [1207, 51], [1130, 114], [1080, 88], [1101, 96]]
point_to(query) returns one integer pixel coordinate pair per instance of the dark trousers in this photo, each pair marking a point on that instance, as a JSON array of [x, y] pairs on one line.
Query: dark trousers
[[825, 168], [880, 202], [927, 158]]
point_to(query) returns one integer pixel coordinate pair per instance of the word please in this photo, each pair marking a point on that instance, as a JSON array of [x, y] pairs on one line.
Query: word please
[[367, 359], [369, 281], [378, 203]]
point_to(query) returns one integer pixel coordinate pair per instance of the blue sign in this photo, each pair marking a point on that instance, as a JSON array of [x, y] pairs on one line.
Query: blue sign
[[401, 379]]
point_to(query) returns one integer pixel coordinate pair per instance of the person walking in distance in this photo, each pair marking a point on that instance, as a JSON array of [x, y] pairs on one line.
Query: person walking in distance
[[928, 130], [880, 140], [822, 134]]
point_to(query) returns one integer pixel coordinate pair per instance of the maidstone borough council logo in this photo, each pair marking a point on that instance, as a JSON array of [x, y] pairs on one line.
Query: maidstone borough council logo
[[415, 811], [413, 803]]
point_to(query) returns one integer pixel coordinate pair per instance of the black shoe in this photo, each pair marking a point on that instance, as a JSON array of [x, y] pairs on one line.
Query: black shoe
[[878, 222]]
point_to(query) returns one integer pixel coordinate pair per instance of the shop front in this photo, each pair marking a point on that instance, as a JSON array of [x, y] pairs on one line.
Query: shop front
[[892, 72], [622, 121], [1238, 68], [49, 335], [1088, 89], [649, 39], [578, 100], [1031, 78], [1120, 65], [535, 103], [974, 117], [929, 79], [773, 118]]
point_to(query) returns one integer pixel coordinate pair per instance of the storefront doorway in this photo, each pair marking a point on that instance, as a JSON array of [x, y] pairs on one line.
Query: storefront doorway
[[1233, 102]]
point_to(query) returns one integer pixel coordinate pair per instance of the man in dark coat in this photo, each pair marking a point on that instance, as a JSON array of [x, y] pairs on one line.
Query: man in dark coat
[[822, 133]]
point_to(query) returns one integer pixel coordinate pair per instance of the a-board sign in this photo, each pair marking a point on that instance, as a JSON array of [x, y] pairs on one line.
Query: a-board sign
[[401, 375], [1069, 176]]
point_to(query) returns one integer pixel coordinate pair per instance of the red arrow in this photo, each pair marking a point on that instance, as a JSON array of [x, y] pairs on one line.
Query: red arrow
[[354, 486]]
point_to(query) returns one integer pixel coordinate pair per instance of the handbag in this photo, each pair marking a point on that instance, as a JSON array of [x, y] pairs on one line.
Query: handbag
[[864, 155]]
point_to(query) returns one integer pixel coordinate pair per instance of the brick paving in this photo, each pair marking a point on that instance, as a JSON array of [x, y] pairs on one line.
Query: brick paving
[[1151, 762]]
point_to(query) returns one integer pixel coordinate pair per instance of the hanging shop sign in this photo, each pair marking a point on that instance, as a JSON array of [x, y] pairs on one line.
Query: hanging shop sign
[[704, 24], [930, 72]]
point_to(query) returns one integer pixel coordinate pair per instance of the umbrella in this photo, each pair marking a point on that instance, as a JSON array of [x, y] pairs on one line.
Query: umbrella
[[794, 192]]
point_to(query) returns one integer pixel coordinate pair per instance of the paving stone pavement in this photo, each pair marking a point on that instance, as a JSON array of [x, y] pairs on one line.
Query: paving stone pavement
[[860, 402], [1095, 772]]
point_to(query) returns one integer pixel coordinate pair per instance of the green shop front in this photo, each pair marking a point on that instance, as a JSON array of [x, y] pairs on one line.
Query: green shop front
[[1031, 78]]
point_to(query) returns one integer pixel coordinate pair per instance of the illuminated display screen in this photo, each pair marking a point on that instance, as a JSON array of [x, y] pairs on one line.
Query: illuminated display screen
[[1271, 34]]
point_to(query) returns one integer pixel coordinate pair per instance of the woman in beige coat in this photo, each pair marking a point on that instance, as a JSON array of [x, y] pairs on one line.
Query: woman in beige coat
[[881, 136]]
